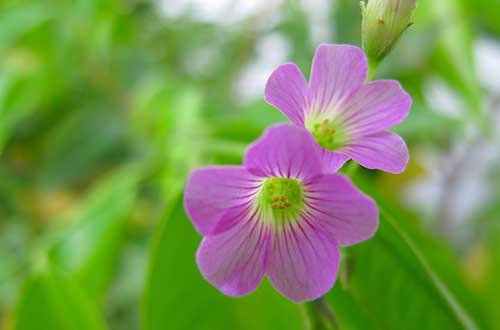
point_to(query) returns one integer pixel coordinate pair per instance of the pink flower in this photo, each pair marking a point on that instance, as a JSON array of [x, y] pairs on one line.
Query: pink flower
[[278, 215], [347, 117]]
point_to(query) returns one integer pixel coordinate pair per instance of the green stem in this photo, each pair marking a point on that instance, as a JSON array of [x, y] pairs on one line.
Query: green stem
[[372, 68], [319, 315]]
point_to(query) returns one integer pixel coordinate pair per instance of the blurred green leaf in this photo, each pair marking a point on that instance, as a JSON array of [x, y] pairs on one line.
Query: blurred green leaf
[[426, 127], [486, 11], [488, 290], [296, 27], [347, 20], [99, 135], [491, 290], [5, 83], [177, 297], [453, 57], [186, 142], [30, 15], [89, 247], [51, 301], [482, 262], [153, 112]]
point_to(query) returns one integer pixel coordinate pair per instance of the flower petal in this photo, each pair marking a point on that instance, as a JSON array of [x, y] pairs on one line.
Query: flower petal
[[284, 151], [303, 261], [332, 161], [337, 72], [336, 205], [235, 261], [211, 191], [385, 151], [286, 89], [375, 107]]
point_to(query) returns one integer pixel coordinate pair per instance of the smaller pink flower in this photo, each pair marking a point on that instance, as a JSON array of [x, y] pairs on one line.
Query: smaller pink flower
[[278, 215], [347, 117]]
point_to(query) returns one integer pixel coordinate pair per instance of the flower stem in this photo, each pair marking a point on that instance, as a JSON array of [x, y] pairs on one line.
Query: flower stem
[[372, 68], [319, 315]]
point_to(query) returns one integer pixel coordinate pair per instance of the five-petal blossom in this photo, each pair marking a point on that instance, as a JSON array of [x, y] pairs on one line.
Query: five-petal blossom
[[278, 215], [347, 117]]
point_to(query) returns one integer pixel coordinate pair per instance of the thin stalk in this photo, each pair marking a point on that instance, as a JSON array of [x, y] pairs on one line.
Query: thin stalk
[[319, 315]]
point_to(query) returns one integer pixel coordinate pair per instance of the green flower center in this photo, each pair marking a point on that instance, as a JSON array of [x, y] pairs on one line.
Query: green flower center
[[281, 200], [329, 134]]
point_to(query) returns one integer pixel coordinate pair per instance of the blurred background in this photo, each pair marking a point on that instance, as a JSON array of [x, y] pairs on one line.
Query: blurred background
[[106, 106]]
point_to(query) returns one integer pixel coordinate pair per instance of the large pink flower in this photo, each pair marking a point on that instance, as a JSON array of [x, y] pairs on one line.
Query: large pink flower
[[278, 215], [347, 117]]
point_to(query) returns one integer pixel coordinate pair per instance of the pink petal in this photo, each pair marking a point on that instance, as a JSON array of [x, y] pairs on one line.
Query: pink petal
[[336, 205], [286, 89], [211, 191], [337, 72], [284, 151], [375, 107], [235, 261], [385, 151], [303, 261], [332, 160]]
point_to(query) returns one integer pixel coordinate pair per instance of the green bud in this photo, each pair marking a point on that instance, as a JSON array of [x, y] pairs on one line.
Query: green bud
[[383, 23]]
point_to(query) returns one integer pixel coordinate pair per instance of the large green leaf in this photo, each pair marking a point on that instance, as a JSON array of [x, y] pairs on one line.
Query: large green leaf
[[395, 285], [87, 250], [177, 297], [403, 279], [51, 301]]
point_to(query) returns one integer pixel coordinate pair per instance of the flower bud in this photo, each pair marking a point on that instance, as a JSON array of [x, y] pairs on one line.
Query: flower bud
[[383, 23]]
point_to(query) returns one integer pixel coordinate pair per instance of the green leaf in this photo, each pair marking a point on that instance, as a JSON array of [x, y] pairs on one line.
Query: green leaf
[[6, 81], [487, 13], [402, 279], [99, 135], [347, 20], [453, 57], [88, 249], [319, 315], [24, 89], [350, 315], [425, 127], [177, 297], [185, 142], [391, 274], [490, 291], [51, 301], [482, 261], [30, 16]]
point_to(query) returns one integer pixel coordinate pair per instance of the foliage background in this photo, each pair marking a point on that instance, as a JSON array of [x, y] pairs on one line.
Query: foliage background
[[106, 106]]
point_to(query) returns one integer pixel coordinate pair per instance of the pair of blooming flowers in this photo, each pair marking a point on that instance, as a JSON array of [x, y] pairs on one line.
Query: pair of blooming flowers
[[285, 211]]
